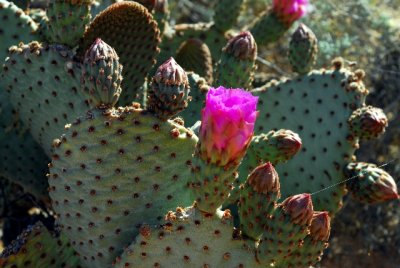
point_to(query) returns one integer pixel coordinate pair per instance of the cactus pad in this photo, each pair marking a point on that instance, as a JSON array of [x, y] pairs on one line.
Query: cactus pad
[[43, 82], [194, 55], [114, 170], [190, 238], [15, 27], [22, 160]]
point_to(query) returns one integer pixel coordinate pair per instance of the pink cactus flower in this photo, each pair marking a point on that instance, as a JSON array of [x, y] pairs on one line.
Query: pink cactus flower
[[227, 125], [288, 11]]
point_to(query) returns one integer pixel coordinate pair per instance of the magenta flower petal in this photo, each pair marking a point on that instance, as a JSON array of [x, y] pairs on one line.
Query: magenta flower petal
[[290, 10], [227, 125]]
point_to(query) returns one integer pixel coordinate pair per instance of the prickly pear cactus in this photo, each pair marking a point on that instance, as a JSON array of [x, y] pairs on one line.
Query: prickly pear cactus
[[43, 85], [15, 26], [22, 159], [194, 55], [317, 107], [67, 20]]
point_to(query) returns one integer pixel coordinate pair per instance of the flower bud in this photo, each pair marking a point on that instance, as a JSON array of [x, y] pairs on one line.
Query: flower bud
[[242, 46], [320, 226], [300, 208], [264, 179]]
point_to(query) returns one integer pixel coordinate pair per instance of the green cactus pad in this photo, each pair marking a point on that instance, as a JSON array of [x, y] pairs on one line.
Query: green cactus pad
[[211, 184], [317, 107], [303, 49], [15, 27], [198, 91], [205, 32], [67, 20], [267, 29], [113, 171], [131, 30], [370, 184], [37, 247], [22, 159], [44, 82], [160, 11], [190, 238], [226, 14], [237, 65], [194, 55]]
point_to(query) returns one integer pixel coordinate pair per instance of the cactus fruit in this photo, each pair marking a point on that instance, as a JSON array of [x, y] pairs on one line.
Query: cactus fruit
[[370, 184], [303, 49], [368, 122], [130, 29], [101, 75], [258, 197], [169, 93], [237, 64], [311, 251], [275, 146], [15, 27], [37, 247], [286, 227], [194, 55], [45, 102], [67, 20]]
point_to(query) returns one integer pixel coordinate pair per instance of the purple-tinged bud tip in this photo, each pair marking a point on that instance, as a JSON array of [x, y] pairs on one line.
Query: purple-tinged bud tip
[[264, 179], [320, 226], [170, 73], [242, 46], [299, 208], [303, 33], [99, 50]]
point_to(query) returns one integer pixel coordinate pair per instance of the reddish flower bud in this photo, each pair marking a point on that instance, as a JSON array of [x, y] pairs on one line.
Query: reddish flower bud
[[320, 226], [300, 208], [264, 179]]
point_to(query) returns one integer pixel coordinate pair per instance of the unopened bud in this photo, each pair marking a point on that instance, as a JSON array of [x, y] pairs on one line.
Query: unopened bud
[[264, 179], [300, 208], [242, 46]]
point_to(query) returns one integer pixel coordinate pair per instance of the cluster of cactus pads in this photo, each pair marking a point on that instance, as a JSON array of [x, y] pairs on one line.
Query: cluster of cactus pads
[[182, 165]]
